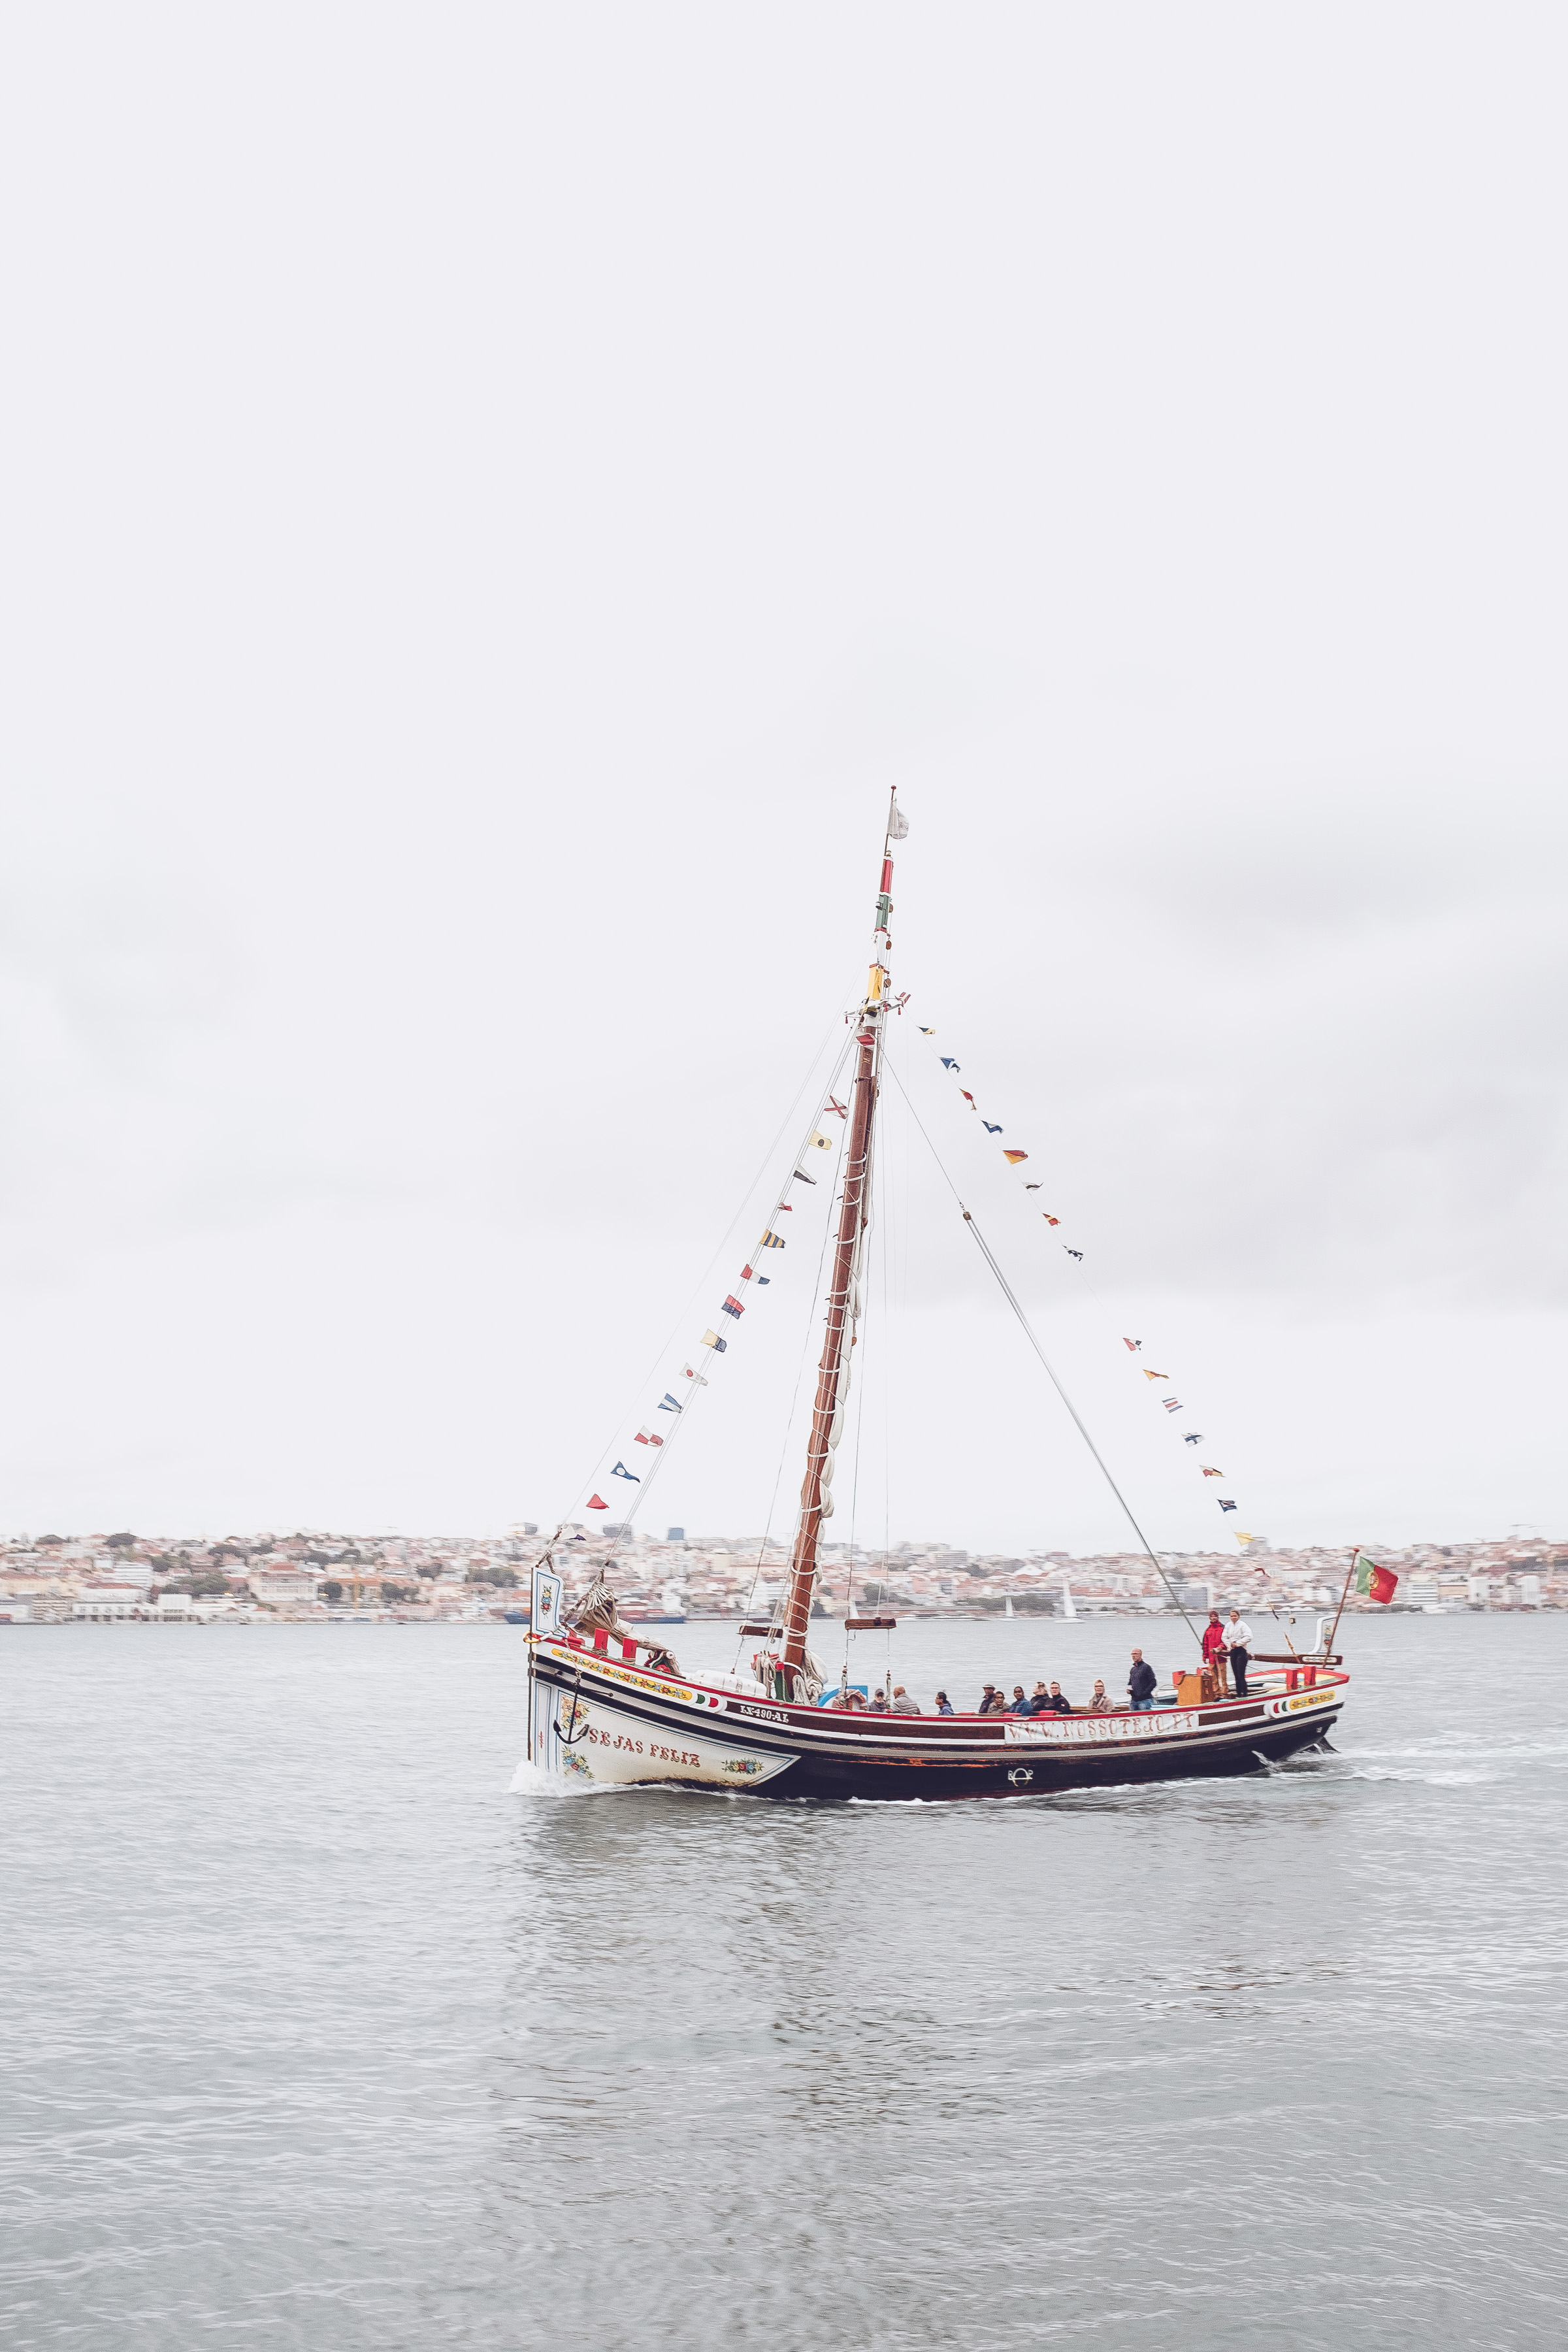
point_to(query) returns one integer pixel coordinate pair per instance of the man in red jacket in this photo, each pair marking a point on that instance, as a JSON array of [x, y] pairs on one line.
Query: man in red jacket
[[1214, 1647]]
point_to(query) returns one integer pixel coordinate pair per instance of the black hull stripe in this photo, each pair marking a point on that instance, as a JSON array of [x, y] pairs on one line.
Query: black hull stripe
[[941, 1782]]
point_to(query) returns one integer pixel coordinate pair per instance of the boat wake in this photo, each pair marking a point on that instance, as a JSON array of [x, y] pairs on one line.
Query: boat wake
[[532, 1780], [1518, 1751]]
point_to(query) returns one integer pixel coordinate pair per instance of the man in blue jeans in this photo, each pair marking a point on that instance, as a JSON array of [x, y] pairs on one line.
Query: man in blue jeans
[[1141, 1683]]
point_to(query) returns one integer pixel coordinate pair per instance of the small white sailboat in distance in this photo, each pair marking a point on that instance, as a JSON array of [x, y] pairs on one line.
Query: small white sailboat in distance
[[1069, 1608]]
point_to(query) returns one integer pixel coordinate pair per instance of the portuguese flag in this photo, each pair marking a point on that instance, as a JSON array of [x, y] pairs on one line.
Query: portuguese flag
[[1378, 1582]]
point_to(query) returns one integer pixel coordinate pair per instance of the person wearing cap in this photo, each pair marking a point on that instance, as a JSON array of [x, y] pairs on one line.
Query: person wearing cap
[[1238, 1645], [991, 1701]]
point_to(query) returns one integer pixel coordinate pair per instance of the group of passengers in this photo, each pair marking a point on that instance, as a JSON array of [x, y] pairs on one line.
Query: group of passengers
[[1041, 1701], [1222, 1645], [993, 1701], [881, 1701]]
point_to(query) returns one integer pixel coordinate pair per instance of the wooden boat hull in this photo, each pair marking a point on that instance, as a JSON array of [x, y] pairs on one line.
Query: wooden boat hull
[[610, 1721]]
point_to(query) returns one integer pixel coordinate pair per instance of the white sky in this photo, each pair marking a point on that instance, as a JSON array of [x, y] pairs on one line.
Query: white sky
[[493, 497]]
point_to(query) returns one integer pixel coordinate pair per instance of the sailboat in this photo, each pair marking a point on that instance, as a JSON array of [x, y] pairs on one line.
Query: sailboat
[[609, 1705]]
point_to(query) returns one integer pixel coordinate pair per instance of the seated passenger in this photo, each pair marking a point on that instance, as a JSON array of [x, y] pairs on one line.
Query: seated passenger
[[1099, 1703], [944, 1705], [844, 1699], [878, 1702], [991, 1700], [1017, 1704], [902, 1703], [1058, 1703], [1039, 1700]]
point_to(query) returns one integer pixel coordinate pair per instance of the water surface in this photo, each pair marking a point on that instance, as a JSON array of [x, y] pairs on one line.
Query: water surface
[[319, 2037]]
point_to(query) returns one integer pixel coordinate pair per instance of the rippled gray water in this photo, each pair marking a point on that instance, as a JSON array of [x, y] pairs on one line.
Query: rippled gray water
[[321, 2037]]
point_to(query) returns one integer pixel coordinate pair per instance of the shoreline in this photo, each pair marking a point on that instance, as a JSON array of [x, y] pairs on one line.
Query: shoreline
[[492, 1618]]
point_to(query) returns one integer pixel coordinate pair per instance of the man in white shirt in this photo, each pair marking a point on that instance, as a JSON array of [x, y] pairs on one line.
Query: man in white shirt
[[1238, 1643]]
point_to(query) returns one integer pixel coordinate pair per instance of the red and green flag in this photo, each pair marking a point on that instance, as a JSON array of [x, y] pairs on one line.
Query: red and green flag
[[1377, 1583]]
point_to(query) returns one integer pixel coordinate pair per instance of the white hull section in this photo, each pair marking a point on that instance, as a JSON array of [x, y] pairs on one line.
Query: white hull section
[[591, 1740]]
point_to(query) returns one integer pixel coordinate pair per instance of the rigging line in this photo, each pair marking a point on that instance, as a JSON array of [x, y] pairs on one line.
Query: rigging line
[[812, 1295], [1011, 1297], [854, 1512], [866, 1276], [859, 1290], [647, 1482], [811, 1298], [648, 1479], [1085, 1278], [884, 1174], [699, 1285], [1253, 1567], [1009, 1293], [1081, 1274]]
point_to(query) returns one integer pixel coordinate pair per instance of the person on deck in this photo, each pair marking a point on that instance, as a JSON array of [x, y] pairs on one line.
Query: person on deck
[[1101, 1701], [878, 1702], [991, 1701], [1039, 1700], [1058, 1702], [1238, 1646], [944, 1703], [1017, 1704], [1214, 1644], [1141, 1683], [902, 1703]]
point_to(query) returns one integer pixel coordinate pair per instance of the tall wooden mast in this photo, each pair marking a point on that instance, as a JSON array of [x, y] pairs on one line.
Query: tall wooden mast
[[844, 1282]]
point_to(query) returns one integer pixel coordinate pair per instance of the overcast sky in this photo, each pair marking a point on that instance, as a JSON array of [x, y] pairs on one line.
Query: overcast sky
[[495, 494]]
